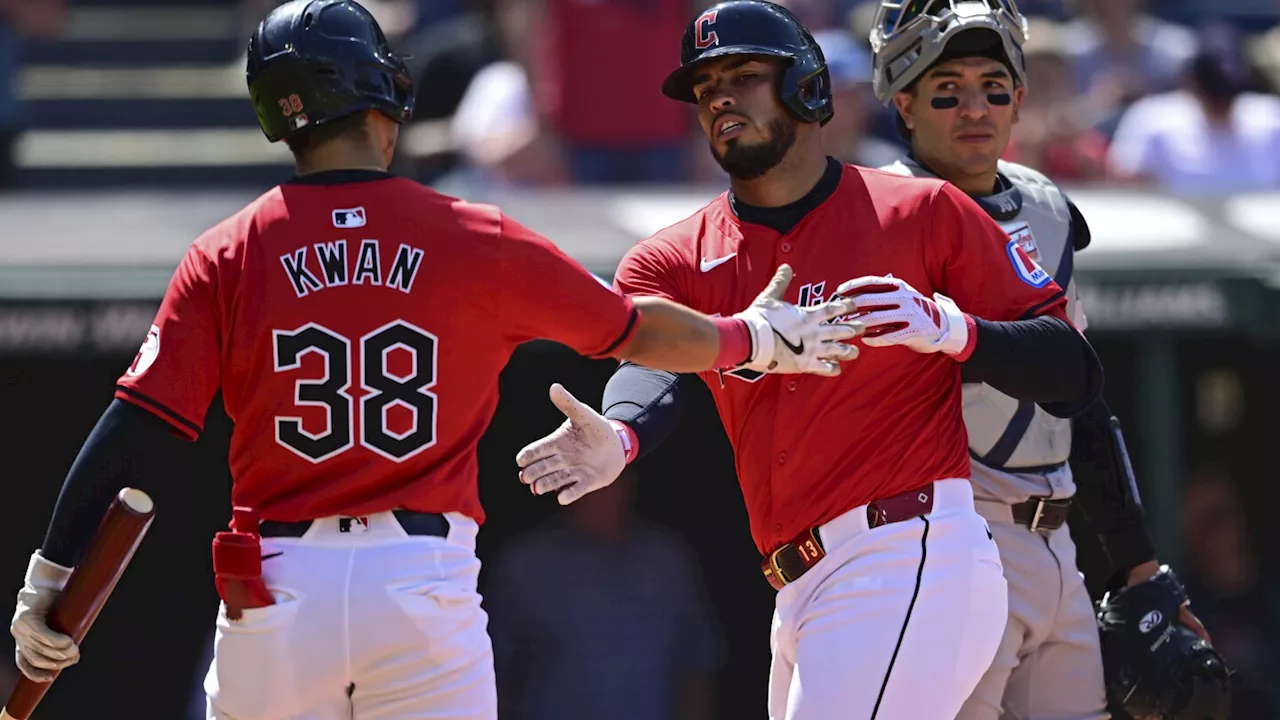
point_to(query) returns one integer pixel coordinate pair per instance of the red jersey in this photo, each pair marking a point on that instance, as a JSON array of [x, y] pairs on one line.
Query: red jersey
[[809, 448], [357, 331]]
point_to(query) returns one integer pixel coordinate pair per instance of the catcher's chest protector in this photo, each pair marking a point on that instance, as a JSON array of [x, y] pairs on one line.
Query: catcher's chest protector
[[1034, 212]]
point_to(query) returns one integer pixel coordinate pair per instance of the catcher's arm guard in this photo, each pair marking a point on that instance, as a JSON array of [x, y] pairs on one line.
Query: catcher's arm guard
[[1155, 667]]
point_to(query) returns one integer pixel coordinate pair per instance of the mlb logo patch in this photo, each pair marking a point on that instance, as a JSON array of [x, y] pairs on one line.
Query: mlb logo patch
[[1028, 271], [353, 525], [1021, 234], [349, 217]]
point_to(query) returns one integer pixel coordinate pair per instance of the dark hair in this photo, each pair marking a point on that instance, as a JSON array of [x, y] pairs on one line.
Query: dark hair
[[352, 125]]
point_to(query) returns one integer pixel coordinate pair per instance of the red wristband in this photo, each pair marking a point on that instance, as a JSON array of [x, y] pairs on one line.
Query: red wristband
[[735, 342], [971, 340], [630, 443]]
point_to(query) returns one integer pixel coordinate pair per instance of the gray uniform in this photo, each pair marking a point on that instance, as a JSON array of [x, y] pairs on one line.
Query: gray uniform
[[1049, 666]]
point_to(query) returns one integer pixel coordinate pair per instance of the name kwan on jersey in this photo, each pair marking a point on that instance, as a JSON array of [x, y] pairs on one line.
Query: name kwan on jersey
[[339, 267]]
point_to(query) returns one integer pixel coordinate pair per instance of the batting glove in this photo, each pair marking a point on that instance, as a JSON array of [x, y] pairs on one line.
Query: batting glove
[[584, 454], [894, 313], [41, 651], [786, 338]]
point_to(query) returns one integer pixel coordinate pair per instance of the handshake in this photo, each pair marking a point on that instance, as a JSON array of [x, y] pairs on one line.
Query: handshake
[[588, 451], [882, 310]]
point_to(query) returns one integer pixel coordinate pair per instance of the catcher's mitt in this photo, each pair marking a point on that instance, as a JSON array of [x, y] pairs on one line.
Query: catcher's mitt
[[1156, 668]]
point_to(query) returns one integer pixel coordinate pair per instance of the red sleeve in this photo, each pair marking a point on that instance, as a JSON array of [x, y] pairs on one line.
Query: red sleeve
[[176, 372], [547, 294], [651, 269], [971, 260]]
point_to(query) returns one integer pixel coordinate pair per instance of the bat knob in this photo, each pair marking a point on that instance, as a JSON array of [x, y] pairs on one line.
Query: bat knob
[[137, 501]]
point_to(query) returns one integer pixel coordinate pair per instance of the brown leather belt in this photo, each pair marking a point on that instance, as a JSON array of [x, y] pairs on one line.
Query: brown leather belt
[[1041, 513], [787, 563]]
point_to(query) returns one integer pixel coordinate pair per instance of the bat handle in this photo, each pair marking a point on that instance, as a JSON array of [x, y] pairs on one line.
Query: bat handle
[[25, 695]]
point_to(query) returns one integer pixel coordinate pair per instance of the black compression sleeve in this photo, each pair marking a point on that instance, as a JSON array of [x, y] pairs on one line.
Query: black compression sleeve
[[128, 447], [1041, 359], [1106, 489], [647, 400]]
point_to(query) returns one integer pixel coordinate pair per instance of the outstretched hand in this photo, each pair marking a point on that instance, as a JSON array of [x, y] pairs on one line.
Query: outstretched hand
[[584, 454]]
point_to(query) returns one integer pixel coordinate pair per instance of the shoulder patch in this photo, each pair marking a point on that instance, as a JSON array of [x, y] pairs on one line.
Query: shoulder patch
[[146, 354], [1028, 271], [1021, 233]]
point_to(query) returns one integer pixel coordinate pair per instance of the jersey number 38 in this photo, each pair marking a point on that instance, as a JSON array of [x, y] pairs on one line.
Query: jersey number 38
[[383, 389]]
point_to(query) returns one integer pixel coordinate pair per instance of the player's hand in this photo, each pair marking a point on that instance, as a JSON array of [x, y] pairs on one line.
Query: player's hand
[[582, 455], [894, 313], [39, 650], [786, 338]]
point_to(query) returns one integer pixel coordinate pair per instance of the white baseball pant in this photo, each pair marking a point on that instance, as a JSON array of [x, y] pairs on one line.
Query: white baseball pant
[[1049, 665], [375, 624], [895, 623]]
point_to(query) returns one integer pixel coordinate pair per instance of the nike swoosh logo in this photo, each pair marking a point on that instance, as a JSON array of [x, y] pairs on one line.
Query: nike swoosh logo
[[706, 265], [797, 349], [271, 555]]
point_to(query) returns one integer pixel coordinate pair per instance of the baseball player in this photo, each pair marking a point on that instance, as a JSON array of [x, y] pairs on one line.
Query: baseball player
[[953, 69], [891, 599], [356, 324]]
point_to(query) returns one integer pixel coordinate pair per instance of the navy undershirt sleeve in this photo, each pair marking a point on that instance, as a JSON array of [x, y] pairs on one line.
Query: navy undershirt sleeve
[[1041, 359], [129, 447], [647, 400]]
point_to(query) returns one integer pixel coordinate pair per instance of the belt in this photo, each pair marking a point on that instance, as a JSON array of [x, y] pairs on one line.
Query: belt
[[1041, 513], [786, 564], [414, 523]]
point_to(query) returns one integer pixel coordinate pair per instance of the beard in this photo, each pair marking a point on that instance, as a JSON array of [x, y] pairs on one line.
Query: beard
[[748, 161]]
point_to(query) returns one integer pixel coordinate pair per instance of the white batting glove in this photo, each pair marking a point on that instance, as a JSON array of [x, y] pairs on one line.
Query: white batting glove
[[583, 454], [40, 651], [790, 339], [894, 313]]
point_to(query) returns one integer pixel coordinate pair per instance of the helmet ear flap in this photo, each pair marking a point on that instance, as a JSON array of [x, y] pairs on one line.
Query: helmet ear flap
[[814, 93]]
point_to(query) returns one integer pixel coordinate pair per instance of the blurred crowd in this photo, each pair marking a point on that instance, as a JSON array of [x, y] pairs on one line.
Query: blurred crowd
[[1177, 95], [549, 92]]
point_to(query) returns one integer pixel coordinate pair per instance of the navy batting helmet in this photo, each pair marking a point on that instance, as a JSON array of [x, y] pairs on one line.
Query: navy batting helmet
[[315, 61], [755, 27]]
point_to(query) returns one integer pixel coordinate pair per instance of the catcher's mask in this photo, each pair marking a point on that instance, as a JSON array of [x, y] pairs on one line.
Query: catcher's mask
[[911, 36]]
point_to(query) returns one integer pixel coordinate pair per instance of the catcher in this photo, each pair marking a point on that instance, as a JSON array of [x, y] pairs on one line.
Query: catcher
[[954, 72]]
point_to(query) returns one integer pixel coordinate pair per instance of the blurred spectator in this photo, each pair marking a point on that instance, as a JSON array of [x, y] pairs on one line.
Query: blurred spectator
[[1264, 54], [1122, 53], [846, 137], [816, 15], [601, 616], [1239, 608], [597, 69], [1212, 137], [444, 56], [495, 127], [1054, 134], [19, 19], [1052, 9]]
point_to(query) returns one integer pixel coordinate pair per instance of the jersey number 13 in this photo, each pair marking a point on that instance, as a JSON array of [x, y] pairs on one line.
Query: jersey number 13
[[382, 387]]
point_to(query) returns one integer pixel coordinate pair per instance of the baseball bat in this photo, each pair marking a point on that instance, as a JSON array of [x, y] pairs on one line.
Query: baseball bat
[[89, 585]]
